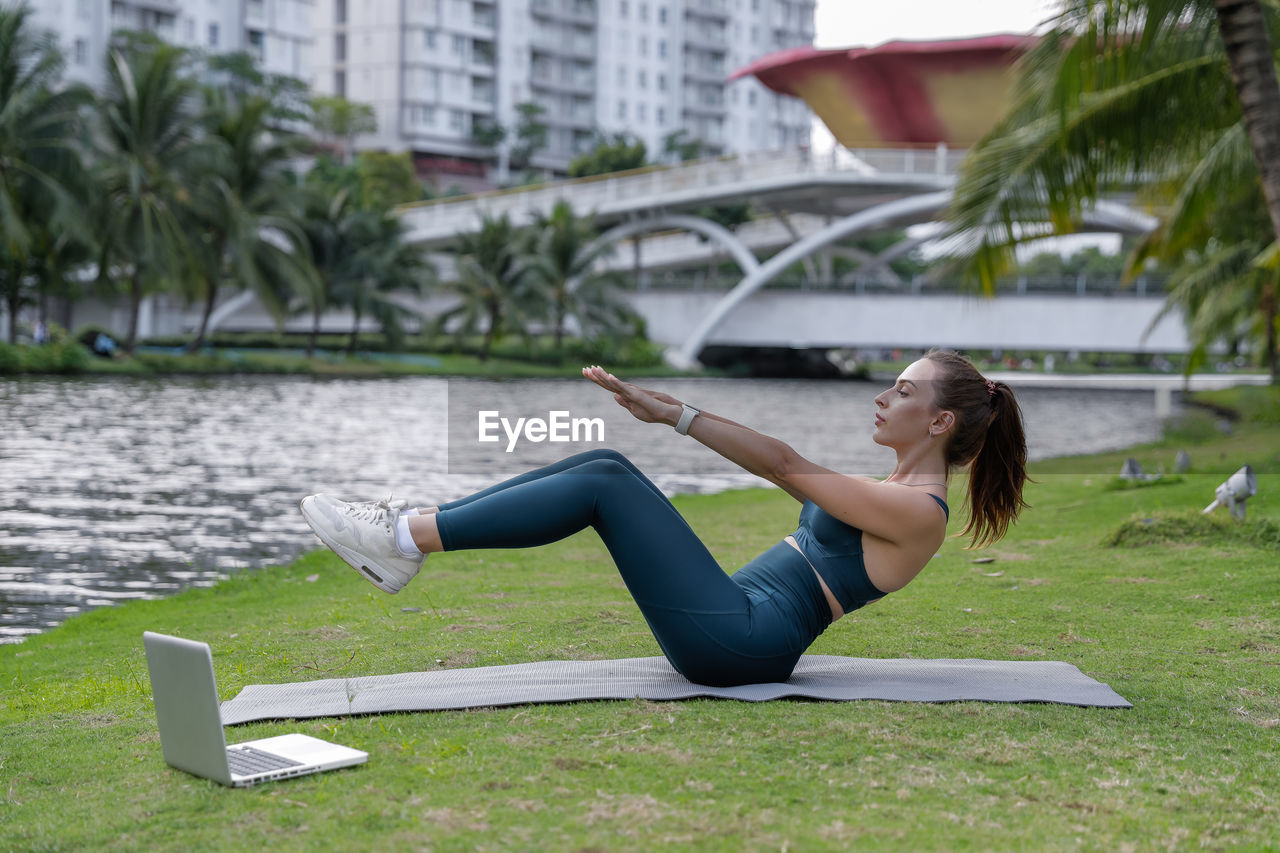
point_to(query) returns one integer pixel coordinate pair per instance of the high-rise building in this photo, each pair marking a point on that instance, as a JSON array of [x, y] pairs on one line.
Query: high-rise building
[[434, 70], [276, 32]]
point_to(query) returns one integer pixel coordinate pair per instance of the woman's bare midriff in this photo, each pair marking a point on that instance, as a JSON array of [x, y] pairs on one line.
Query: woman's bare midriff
[[836, 610]]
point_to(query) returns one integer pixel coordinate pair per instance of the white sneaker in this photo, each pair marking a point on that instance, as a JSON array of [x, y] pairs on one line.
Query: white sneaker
[[364, 536]]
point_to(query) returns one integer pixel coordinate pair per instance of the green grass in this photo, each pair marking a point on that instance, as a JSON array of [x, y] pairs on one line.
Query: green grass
[[1179, 613]]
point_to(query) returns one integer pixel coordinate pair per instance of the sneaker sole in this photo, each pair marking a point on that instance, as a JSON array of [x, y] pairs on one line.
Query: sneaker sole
[[348, 556]]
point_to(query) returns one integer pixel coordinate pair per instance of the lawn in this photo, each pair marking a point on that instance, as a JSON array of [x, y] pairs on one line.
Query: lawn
[[1179, 612]]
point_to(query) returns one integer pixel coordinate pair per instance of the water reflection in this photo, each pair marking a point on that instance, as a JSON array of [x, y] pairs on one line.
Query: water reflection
[[118, 489]]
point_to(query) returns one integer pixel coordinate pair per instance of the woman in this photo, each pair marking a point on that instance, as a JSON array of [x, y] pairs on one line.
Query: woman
[[858, 540]]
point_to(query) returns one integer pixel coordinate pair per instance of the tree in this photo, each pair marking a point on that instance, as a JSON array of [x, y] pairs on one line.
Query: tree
[[616, 153], [531, 134], [39, 164], [340, 121], [561, 262], [146, 137], [1118, 95], [492, 283], [383, 265], [677, 146], [247, 208], [331, 222], [386, 179]]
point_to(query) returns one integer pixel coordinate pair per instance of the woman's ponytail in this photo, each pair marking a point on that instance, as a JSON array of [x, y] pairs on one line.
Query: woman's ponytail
[[988, 433], [998, 471]]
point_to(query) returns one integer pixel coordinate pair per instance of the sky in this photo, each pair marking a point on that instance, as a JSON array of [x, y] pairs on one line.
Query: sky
[[865, 23]]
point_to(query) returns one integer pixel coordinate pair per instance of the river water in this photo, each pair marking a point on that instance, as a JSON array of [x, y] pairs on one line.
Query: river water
[[112, 489]]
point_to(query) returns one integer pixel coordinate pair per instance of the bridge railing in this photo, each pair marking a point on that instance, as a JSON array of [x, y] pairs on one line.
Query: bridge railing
[[442, 218], [1143, 287]]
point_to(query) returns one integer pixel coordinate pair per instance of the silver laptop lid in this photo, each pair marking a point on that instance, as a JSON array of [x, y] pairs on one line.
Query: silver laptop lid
[[187, 709]]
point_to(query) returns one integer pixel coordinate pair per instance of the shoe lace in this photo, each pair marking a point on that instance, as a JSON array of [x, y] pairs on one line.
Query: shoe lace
[[384, 511]]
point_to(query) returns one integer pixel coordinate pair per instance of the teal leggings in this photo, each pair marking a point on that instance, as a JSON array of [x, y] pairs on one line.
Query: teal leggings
[[715, 629]]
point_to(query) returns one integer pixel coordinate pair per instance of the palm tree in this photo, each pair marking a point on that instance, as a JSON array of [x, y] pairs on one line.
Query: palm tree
[[1117, 96], [248, 210], [492, 283], [331, 226], [384, 265], [562, 262], [39, 131], [146, 138]]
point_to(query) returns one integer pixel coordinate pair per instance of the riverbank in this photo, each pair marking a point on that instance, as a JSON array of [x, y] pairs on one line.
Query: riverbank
[[1174, 610], [271, 355]]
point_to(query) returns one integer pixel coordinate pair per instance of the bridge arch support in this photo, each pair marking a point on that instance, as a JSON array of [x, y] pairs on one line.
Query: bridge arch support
[[1104, 216], [741, 255]]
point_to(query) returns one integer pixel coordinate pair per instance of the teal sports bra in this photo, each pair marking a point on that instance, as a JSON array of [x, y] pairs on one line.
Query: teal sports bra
[[834, 550]]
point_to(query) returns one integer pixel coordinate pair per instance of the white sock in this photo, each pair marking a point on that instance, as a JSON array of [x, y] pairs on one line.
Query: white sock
[[404, 539]]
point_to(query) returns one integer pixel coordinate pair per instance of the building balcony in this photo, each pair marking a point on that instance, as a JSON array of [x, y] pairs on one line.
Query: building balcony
[[573, 11], [717, 9]]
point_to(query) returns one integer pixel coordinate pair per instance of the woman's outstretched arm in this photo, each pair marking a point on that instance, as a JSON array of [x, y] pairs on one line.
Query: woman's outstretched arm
[[893, 512], [759, 454]]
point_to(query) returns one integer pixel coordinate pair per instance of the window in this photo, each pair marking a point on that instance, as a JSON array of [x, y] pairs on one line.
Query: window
[[622, 9], [340, 83], [460, 45], [643, 46], [622, 75], [644, 11], [751, 98], [213, 35], [257, 45], [191, 29], [84, 8], [662, 116], [429, 38], [622, 109], [662, 14], [641, 113], [662, 82], [642, 79], [662, 48], [340, 47], [455, 119], [339, 11], [82, 52]]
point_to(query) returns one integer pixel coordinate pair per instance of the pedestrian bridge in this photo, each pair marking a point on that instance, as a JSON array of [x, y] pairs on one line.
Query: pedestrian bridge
[[1116, 321], [845, 195]]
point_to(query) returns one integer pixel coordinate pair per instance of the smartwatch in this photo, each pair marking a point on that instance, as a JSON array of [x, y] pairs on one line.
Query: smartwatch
[[686, 417]]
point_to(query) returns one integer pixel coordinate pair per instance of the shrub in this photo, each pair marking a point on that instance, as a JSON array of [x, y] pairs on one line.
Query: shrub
[[10, 359]]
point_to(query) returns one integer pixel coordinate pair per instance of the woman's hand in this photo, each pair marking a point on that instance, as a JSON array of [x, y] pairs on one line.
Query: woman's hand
[[652, 407]]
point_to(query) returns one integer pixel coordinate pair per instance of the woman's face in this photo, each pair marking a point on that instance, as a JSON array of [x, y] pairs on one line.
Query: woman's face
[[905, 413]]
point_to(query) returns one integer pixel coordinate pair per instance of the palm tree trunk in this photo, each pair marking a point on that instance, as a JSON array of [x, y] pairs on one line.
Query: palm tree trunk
[[1248, 48], [355, 335], [210, 298], [1269, 317], [495, 315], [315, 332], [15, 303], [560, 312], [135, 307]]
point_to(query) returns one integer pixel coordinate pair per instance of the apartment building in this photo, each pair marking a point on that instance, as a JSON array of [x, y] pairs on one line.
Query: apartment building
[[276, 32], [435, 69]]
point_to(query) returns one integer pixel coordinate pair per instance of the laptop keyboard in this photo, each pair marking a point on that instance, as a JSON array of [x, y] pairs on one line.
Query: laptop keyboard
[[246, 761]]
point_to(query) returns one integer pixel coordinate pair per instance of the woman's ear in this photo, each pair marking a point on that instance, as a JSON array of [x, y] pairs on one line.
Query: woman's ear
[[942, 422]]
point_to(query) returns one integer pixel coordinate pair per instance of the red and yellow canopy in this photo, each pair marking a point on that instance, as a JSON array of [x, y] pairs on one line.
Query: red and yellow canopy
[[900, 93]]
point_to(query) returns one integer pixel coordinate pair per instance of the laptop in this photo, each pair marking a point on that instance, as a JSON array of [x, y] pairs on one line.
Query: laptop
[[190, 720]]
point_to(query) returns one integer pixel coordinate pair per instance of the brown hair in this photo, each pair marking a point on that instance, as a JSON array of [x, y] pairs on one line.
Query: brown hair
[[988, 433]]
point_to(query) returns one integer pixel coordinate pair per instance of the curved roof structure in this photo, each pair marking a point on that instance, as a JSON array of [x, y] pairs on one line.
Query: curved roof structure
[[900, 93]]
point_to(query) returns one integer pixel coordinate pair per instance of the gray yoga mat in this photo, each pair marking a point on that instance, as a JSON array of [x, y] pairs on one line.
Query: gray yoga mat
[[815, 677]]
